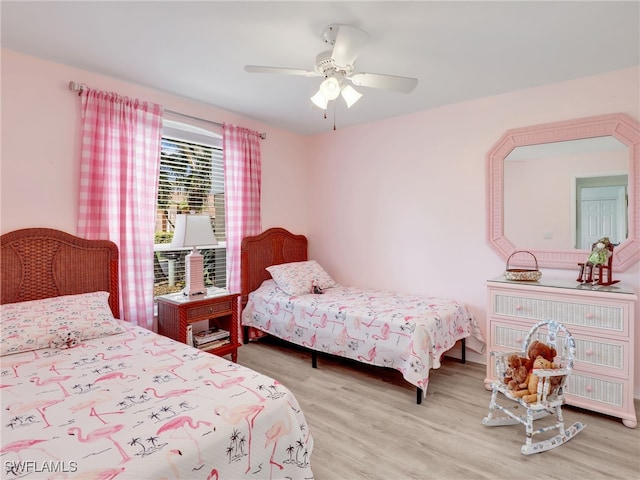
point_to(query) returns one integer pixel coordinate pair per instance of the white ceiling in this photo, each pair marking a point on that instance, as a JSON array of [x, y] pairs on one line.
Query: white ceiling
[[457, 50]]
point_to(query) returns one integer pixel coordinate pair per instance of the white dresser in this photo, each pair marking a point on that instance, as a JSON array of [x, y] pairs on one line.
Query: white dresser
[[601, 320]]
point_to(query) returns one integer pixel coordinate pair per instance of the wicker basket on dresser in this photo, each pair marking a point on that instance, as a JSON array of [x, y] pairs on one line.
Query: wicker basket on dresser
[[601, 320]]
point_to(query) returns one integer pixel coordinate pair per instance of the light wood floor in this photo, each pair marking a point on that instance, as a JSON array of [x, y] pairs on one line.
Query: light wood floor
[[366, 425]]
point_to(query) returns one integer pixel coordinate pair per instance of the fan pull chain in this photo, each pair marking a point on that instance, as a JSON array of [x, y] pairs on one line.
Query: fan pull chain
[[334, 116]]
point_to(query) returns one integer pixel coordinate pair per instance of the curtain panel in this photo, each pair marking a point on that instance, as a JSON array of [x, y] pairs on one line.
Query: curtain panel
[[242, 180], [120, 157]]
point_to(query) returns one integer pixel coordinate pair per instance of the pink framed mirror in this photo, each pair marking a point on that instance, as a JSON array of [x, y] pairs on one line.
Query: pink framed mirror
[[537, 177]]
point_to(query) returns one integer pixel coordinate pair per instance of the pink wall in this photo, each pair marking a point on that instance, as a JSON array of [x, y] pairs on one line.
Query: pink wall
[[402, 201], [40, 146]]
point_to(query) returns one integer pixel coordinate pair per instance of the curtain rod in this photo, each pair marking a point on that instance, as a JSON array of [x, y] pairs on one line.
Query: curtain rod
[[78, 87]]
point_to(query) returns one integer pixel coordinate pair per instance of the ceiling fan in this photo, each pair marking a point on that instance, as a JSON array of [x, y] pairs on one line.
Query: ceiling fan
[[338, 67]]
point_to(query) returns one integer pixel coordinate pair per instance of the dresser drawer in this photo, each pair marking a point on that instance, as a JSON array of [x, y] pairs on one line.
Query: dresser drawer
[[611, 318], [207, 311], [583, 390], [592, 353], [596, 354]]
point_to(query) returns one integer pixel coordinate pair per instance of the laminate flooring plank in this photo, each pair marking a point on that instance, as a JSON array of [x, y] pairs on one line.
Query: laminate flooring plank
[[366, 425]]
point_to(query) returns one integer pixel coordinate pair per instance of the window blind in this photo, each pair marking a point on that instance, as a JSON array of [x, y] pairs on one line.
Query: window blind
[[191, 180]]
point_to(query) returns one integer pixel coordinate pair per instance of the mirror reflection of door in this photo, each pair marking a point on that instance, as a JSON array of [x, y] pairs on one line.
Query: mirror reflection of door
[[601, 206], [549, 220]]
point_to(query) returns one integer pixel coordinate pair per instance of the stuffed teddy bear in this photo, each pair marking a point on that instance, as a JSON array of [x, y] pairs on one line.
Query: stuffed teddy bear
[[530, 394], [515, 376], [543, 350], [518, 377], [539, 362]]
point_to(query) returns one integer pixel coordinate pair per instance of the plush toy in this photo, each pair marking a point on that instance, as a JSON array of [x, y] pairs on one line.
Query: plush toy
[[315, 288], [65, 340], [600, 253], [599, 257], [516, 374], [530, 394], [543, 350], [539, 362]]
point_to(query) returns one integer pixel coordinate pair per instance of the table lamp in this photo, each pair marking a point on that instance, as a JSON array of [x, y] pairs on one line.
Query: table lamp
[[191, 231]]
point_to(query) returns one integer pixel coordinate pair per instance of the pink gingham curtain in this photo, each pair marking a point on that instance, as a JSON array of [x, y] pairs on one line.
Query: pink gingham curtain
[[242, 184], [120, 158]]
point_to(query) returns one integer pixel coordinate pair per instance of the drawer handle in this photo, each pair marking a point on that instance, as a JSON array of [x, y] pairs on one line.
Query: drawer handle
[[589, 388], [210, 309], [588, 353], [589, 315], [518, 307]]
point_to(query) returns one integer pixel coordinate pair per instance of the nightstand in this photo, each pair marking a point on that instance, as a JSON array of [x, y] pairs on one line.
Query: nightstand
[[216, 309]]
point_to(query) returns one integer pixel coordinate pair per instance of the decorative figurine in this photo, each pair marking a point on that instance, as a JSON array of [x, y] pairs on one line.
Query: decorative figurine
[[597, 270]]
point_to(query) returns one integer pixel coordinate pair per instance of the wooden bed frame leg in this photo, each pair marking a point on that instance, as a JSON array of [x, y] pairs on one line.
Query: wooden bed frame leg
[[464, 350], [314, 360], [245, 335], [418, 395]]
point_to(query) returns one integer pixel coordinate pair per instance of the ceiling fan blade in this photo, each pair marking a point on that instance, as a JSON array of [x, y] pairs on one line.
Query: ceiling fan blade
[[348, 44], [385, 82], [280, 70]]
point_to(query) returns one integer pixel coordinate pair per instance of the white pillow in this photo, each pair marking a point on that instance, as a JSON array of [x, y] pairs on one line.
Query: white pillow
[[42, 323], [297, 278]]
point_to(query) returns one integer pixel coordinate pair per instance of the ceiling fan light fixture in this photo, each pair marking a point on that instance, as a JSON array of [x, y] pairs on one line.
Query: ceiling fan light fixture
[[330, 88], [319, 100], [336, 66], [350, 95]]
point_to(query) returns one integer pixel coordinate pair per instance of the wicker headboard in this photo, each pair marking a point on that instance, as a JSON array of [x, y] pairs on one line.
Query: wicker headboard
[[271, 247], [38, 263]]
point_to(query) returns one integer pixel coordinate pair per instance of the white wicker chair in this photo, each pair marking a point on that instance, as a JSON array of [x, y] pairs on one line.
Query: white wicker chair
[[549, 398]]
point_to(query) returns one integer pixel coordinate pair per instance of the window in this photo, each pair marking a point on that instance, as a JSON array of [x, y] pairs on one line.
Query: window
[[191, 180]]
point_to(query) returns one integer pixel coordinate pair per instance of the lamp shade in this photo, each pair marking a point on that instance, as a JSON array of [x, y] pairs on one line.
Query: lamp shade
[[330, 88], [350, 95], [193, 231], [319, 100]]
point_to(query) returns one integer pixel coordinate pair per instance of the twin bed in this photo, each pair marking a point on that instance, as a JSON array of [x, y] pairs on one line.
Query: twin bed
[[85, 395], [409, 333]]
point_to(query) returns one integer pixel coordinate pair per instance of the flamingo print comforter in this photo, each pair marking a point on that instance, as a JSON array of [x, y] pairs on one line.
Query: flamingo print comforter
[[138, 405], [409, 333]]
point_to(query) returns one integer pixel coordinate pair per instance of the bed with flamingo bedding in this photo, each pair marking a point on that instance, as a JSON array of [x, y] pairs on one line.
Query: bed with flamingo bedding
[[290, 297], [85, 395]]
